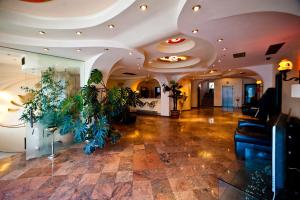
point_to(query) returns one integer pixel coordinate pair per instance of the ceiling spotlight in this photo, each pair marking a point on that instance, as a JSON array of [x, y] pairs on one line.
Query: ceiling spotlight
[[196, 8], [78, 50], [111, 26], [195, 31], [130, 53], [220, 40], [224, 48], [150, 62], [229, 70], [42, 32], [143, 7], [78, 33], [138, 64], [46, 49], [219, 60], [139, 68]]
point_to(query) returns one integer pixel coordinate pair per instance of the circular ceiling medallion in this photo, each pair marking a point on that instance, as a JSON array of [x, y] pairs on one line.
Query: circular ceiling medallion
[[175, 40], [35, 1], [173, 58]]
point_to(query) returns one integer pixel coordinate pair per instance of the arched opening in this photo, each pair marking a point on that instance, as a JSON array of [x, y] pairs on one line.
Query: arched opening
[[149, 88]]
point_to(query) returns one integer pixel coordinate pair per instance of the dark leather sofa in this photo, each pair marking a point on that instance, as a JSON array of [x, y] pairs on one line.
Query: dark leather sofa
[[256, 134]]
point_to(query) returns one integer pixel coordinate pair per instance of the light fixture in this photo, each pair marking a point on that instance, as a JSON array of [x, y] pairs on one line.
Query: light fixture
[[224, 48], [78, 33], [173, 58], [229, 70], [143, 7], [46, 49], [195, 31], [196, 8], [78, 50], [219, 60], [130, 53], [258, 82], [106, 49], [111, 26], [220, 40], [175, 40], [150, 62], [286, 66], [42, 32]]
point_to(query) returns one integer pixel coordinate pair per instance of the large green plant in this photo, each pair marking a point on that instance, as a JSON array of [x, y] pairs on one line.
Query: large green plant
[[175, 93], [44, 106]]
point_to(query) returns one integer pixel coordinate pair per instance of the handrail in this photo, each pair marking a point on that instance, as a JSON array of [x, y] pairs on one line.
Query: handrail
[[12, 126]]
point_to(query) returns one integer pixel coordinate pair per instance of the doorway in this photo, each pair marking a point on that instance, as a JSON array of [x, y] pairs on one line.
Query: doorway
[[250, 93], [227, 96]]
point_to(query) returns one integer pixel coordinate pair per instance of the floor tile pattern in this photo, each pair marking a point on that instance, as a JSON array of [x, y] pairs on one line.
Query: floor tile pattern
[[157, 158]]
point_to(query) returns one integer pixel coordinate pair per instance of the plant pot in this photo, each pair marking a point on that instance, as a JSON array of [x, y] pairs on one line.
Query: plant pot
[[175, 114]]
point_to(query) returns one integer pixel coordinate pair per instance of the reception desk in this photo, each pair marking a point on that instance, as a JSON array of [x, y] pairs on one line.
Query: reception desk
[[150, 106]]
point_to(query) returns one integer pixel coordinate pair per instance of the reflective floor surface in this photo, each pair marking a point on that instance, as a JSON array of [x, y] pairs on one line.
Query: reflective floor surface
[[157, 158]]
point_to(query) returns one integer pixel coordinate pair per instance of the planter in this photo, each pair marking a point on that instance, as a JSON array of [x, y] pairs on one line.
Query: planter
[[175, 114]]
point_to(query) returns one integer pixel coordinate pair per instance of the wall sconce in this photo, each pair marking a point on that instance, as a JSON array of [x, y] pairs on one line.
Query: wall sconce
[[285, 66], [258, 82]]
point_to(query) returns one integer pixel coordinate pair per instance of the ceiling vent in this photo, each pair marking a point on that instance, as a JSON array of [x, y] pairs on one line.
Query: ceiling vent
[[274, 48], [239, 55], [128, 73]]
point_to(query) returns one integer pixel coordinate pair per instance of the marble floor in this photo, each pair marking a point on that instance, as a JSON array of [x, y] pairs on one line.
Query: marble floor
[[157, 158]]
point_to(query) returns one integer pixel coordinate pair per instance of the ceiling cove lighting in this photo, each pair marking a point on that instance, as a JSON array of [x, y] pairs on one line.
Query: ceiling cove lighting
[[220, 40], [78, 50], [42, 32], [111, 26], [173, 58], [196, 8], [175, 40], [224, 48], [195, 31], [78, 33], [143, 7]]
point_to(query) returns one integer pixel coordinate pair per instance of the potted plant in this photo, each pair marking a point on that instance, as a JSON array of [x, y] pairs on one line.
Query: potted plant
[[44, 105], [175, 94]]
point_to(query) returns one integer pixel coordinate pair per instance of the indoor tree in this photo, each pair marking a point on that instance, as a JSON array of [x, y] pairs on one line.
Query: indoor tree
[[175, 93]]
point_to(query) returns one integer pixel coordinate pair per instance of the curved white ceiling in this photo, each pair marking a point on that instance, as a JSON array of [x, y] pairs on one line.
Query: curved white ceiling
[[249, 26], [62, 14]]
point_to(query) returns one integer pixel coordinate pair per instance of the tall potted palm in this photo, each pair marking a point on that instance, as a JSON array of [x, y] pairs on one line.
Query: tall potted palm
[[175, 93]]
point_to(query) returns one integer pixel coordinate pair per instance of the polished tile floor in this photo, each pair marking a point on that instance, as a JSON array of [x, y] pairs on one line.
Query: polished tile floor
[[157, 158]]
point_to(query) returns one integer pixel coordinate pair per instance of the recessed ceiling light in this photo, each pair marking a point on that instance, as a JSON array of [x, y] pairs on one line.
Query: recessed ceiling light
[[219, 60], [111, 26], [220, 40], [150, 62], [78, 50], [195, 31], [42, 32], [196, 8], [78, 33], [224, 48], [130, 53], [143, 7], [46, 49], [139, 68], [229, 70]]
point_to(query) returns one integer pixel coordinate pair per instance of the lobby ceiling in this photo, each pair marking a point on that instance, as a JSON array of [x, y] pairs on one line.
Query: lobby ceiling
[[139, 32]]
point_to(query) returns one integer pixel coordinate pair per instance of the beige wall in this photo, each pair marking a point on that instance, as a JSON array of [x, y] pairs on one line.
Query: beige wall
[[186, 88], [238, 89]]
